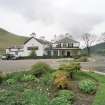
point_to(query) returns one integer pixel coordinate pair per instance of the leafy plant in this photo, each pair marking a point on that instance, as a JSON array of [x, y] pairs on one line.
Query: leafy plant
[[11, 81], [47, 79], [28, 77], [33, 97], [40, 68], [70, 68], [33, 53], [87, 86], [69, 95], [61, 79], [60, 101]]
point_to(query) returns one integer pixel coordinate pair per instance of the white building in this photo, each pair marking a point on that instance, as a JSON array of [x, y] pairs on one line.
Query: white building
[[63, 47]]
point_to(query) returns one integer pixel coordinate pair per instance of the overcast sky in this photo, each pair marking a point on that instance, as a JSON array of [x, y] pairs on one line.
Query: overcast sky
[[50, 17]]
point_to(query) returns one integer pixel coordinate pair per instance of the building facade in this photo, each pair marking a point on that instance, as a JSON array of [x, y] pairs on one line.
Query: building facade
[[65, 47]]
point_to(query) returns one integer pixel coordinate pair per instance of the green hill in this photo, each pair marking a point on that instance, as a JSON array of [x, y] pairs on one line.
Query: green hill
[[96, 49], [8, 39]]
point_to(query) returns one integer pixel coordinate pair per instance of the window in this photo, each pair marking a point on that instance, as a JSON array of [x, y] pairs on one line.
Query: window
[[32, 48], [65, 45]]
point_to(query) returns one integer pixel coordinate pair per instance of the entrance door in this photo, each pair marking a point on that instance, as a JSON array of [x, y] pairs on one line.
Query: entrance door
[[68, 53]]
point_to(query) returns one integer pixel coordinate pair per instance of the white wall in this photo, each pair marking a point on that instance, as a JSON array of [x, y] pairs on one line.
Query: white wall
[[33, 42]]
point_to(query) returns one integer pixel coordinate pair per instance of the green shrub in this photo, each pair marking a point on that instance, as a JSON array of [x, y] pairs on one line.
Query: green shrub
[[70, 68], [87, 86], [60, 101], [40, 68], [11, 81], [17, 75], [47, 79], [28, 77], [81, 59], [10, 98], [69, 95], [33, 97]]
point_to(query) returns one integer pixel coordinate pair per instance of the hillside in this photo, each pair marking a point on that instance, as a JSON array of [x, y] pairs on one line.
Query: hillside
[[96, 49], [9, 39]]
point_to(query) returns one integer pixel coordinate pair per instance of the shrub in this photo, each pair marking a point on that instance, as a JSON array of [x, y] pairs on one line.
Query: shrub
[[70, 68], [33, 97], [40, 68], [87, 86], [60, 101], [81, 59], [69, 95], [11, 81], [10, 98], [61, 79], [47, 79], [17, 75], [33, 53], [28, 77]]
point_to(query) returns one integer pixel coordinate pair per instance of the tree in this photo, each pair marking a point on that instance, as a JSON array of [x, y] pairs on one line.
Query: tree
[[33, 53], [89, 40]]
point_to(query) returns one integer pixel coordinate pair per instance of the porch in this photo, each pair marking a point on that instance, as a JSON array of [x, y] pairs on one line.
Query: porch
[[63, 52]]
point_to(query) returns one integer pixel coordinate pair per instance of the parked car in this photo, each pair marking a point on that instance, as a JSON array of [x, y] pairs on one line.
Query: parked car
[[4, 57], [9, 57]]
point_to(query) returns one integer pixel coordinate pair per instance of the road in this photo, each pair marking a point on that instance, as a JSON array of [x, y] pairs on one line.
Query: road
[[21, 65], [96, 64]]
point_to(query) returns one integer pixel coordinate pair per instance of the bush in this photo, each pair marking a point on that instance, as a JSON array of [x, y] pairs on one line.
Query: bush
[[69, 95], [61, 79], [64, 97], [40, 68], [10, 98], [33, 97], [17, 75], [87, 86], [70, 68], [81, 59], [28, 77], [47, 79], [11, 81]]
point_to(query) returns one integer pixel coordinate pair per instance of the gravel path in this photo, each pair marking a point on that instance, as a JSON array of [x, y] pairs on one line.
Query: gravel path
[[98, 64], [21, 65]]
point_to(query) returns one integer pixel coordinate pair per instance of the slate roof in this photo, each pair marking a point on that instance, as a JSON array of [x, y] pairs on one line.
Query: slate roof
[[39, 40], [66, 40]]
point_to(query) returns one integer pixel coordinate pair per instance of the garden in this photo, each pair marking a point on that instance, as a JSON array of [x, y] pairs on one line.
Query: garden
[[43, 85]]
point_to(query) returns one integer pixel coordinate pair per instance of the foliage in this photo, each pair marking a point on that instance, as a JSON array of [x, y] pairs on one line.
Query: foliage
[[64, 97], [100, 96], [17, 75], [87, 86], [69, 95], [28, 77], [10, 98], [61, 79], [33, 53], [40, 68], [47, 79], [33, 97], [81, 59], [70, 68], [11, 81]]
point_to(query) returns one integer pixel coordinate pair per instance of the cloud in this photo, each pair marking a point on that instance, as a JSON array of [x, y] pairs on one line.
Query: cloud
[[49, 17]]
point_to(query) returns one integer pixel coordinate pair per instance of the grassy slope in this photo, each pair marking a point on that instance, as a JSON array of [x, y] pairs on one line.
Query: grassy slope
[[8, 39], [97, 49]]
